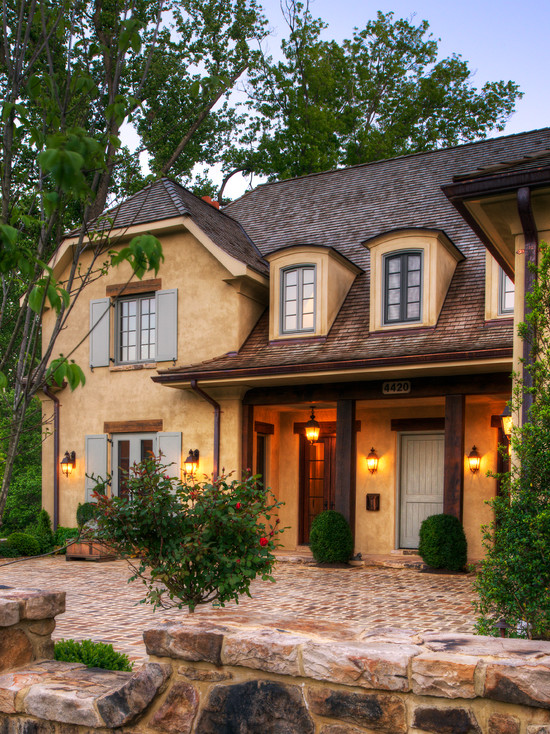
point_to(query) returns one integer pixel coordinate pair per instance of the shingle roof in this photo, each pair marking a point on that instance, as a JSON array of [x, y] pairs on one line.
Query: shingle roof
[[343, 209], [166, 199]]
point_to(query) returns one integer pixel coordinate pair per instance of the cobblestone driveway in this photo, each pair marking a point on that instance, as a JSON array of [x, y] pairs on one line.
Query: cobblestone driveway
[[101, 604]]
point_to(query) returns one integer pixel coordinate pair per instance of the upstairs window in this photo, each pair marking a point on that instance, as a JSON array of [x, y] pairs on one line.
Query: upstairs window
[[402, 287], [136, 320], [505, 294], [298, 299]]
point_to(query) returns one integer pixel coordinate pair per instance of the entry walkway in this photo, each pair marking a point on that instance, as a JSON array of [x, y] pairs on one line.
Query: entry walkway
[[101, 605]]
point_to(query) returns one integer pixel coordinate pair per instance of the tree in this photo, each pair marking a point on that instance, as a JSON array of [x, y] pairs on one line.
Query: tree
[[71, 74], [379, 94], [514, 580]]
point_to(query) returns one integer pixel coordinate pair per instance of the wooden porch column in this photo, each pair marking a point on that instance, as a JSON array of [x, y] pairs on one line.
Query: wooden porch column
[[247, 440], [344, 489], [453, 473]]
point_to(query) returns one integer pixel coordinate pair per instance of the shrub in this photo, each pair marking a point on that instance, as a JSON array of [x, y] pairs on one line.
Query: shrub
[[443, 542], [62, 535], [330, 538], [24, 500], [85, 512], [196, 543], [24, 544], [42, 531], [7, 552], [92, 654]]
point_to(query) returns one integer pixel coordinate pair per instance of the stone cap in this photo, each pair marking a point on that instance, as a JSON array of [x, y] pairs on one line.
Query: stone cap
[[71, 693], [441, 665], [18, 604]]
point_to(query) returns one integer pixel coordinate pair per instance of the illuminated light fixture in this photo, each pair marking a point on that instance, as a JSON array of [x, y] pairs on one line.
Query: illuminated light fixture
[[372, 461], [68, 462], [312, 428], [474, 460], [506, 418], [191, 464]]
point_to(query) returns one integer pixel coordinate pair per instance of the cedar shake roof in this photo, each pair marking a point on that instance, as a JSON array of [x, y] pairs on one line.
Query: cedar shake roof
[[343, 209], [166, 199]]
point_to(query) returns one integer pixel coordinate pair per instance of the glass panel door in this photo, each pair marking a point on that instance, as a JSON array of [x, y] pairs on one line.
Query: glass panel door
[[129, 449]]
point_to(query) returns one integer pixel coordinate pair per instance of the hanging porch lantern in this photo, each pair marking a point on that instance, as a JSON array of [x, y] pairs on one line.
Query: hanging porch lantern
[[68, 462], [372, 461], [312, 428], [474, 460], [191, 464]]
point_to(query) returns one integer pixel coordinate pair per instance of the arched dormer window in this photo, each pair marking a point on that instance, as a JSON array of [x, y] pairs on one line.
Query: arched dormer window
[[298, 299], [403, 287]]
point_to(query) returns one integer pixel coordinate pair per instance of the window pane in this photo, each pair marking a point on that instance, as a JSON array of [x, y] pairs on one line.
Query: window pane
[[393, 313], [307, 321], [290, 323], [394, 296], [413, 277], [309, 275], [291, 277], [413, 311], [414, 262], [394, 265], [394, 280], [413, 294], [291, 293]]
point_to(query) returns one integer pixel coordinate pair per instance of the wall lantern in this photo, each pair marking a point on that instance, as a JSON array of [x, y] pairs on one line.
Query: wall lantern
[[372, 461], [474, 460], [506, 418], [68, 462], [312, 428], [191, 464]]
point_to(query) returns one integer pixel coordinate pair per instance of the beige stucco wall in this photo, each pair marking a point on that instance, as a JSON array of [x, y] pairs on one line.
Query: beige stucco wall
[[211, 318]]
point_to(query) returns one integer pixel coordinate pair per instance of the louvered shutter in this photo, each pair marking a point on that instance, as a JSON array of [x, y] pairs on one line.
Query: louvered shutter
[[96, 461], [167, 325], [169, 445], [99, 332]]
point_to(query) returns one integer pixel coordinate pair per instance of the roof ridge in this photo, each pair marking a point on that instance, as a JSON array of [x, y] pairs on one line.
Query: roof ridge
[[168, 185], [393, 158]]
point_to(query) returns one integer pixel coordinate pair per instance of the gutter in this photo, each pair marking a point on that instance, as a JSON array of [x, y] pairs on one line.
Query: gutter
[[55, 400], [217, 412], [531, 260]]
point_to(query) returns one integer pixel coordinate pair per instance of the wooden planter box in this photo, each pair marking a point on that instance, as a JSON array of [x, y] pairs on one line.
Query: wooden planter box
[[90, 550]]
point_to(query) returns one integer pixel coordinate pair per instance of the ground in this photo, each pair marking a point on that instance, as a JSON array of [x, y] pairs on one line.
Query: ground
[[101, 605]]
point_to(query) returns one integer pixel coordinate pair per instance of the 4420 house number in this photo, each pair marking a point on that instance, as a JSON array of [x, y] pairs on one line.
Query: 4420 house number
[[396, 387]]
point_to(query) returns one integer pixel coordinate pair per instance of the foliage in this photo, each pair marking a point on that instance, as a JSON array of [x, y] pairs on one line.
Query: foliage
[[63, 534], [514, 582], [379, 94], [443, 542], [42, 531], [196, 543], [7, 552], [24, 544], [24, 499], [93, 654], [330, 538], [85, 512]]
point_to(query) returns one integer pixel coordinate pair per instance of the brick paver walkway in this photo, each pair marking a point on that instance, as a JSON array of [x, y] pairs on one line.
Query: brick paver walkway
[[101, 604]]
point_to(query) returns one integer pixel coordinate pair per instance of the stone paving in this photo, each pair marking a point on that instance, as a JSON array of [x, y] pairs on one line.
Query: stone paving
[[101, 605]]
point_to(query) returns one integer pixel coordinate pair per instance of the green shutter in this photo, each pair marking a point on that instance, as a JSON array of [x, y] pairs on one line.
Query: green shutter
[[169, 445], [167, 325], [99, 332], [96, 461]]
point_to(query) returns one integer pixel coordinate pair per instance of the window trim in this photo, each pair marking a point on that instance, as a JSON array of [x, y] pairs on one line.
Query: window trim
[[125, 299], [502, 311], [385, 260], [299, 300]]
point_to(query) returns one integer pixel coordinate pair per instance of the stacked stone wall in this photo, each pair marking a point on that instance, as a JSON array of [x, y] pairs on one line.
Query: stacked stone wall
[[204, 677]]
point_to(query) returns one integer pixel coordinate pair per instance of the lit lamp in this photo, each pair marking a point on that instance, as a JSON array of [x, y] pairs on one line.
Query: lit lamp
[[68, 462], [474, 460], [372, 461], [312, 428], [191, 464], [506, 418]]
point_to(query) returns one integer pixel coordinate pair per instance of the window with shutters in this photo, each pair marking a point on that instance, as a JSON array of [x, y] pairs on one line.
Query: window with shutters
[[402, 287], [298, 299], [136, 329]]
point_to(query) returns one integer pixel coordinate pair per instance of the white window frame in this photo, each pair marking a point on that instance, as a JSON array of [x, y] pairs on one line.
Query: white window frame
[[299, 270], [385, 259], [502, 278], [138, 298]]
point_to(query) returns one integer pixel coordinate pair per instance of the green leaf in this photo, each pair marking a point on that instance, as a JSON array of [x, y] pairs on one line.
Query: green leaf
[[36, 298]]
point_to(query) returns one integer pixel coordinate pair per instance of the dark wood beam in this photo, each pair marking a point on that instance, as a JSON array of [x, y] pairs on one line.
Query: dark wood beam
[[453, 472], [247, 439], [344, 490], [493, 383], [417, 424], [327, 428], [135, 286], [265, 428], [143, 426]]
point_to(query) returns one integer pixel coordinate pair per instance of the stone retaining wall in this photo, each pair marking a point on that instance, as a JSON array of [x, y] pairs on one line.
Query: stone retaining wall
[[204, 677]]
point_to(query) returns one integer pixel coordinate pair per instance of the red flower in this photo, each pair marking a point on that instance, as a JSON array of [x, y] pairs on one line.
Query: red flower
[[238, 505], [264, 541]]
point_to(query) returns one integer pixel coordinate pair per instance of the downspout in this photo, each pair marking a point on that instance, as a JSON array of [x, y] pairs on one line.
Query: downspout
[[531, 259], [217, 412], [55, 401]]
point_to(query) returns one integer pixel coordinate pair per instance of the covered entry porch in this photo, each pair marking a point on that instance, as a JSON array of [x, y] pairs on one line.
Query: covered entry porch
[[422, 430]]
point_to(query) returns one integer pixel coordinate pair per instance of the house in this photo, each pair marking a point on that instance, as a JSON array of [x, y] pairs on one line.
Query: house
[[358, 298]]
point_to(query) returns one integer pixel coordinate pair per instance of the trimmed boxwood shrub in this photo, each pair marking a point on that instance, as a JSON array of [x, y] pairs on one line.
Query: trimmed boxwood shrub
[[330, 538], [85, 512], [42, 531], [443, 542], [93, 654], [24, 544], [62, 534]]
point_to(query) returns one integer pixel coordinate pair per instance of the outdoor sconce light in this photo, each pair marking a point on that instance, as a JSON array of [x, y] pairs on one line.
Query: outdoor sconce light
[[191, 464], [372, 461], [312, 428], [68, 462], [474, 460], [506, 418]]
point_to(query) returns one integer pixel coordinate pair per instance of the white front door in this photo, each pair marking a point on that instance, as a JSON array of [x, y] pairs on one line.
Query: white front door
[[129, 449], [421, 483]]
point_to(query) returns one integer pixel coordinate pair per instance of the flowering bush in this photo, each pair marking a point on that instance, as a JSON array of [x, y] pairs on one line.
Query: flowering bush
[[195, 543]]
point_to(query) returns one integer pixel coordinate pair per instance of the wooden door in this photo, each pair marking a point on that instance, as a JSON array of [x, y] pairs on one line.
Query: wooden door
[[421, 483], [317, 474]]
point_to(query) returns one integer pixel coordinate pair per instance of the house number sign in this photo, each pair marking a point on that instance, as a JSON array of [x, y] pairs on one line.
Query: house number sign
[[396, 387]]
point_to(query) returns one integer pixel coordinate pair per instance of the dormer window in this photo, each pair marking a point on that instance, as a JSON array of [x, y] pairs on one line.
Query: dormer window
[[505, 294], [402, 287], [298, 299]]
